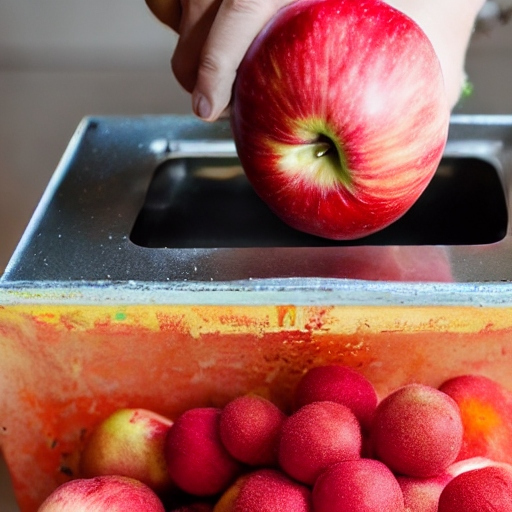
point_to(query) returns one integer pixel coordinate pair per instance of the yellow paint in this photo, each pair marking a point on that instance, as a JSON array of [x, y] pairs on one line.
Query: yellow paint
[[233, 319]]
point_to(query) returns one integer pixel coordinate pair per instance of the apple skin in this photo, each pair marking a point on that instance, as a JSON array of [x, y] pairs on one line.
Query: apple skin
[[109, 493], [340, 115], [129, 442]]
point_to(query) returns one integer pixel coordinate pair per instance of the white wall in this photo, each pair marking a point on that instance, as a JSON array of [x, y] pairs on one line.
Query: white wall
[[76, 34], [122, 34]]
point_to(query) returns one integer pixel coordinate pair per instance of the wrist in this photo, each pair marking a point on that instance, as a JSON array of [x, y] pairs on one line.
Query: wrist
[[449, 25]]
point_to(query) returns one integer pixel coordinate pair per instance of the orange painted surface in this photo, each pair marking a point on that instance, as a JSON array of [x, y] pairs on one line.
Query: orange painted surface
[[64, 368]]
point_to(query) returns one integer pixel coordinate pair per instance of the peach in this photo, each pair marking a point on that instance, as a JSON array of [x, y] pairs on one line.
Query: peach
[[316, 436], [337, 383], [363, 485], [109, 493], [249, 429], [417, 431], [488, 489], [265, 490], [486, 411], [129, 442], [196, 458], [422, 494]]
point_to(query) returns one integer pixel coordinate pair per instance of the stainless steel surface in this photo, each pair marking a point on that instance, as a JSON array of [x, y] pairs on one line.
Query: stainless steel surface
[[83, 228]]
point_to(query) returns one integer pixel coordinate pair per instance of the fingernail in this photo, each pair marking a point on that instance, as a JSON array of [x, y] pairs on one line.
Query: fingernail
[[202, 107]]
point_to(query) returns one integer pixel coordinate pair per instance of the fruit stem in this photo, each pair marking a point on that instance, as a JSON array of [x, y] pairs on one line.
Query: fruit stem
[[322, 148], [325, 147]]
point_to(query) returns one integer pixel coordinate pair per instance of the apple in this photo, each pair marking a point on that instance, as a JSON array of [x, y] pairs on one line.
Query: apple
[[129, 442], [340, 115], [110, 493]]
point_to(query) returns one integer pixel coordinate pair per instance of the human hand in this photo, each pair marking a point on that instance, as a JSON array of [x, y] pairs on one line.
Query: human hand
[[213, 38], [215, 34], [449, 25]]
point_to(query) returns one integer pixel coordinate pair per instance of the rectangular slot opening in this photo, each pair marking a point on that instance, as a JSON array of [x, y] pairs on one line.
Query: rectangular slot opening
[[208, 202]]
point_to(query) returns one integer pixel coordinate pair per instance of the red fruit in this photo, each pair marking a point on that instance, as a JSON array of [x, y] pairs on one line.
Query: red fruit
[[417, 431], [265, 490], [486, 412], [422, 494], [363, 485], [340, 115], [340, 384], [481, 490], [196, 458], [249, 429], [316, 436], [109, 493]]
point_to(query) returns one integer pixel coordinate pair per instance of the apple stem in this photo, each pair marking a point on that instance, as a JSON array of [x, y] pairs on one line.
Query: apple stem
[[322, 148]]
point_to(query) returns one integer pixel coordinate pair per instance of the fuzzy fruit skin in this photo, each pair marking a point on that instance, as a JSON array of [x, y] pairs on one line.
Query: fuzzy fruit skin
[[109, 493], [417, 431], [265, 490], [487, 489], [361, 74], [196, 458], [422, 494], [249, 429], [486, 411], [130, 442], [316, 436], [363, 485], [341, 384]]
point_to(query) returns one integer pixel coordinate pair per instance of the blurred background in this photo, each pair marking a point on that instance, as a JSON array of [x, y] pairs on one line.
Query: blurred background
[[61, 60]]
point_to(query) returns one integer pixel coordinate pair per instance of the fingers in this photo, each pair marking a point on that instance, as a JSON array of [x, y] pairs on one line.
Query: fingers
[[196, 21], [234, 28]]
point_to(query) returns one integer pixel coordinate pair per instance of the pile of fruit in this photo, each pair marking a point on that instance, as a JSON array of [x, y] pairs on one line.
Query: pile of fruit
[[419, 449]]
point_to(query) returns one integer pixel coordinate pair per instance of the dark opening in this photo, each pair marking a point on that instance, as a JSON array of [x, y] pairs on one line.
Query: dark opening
[[205, 203]]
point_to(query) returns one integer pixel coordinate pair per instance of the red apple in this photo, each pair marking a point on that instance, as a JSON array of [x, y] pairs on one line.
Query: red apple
[[102, 494], [129, 442], [340, 115]]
